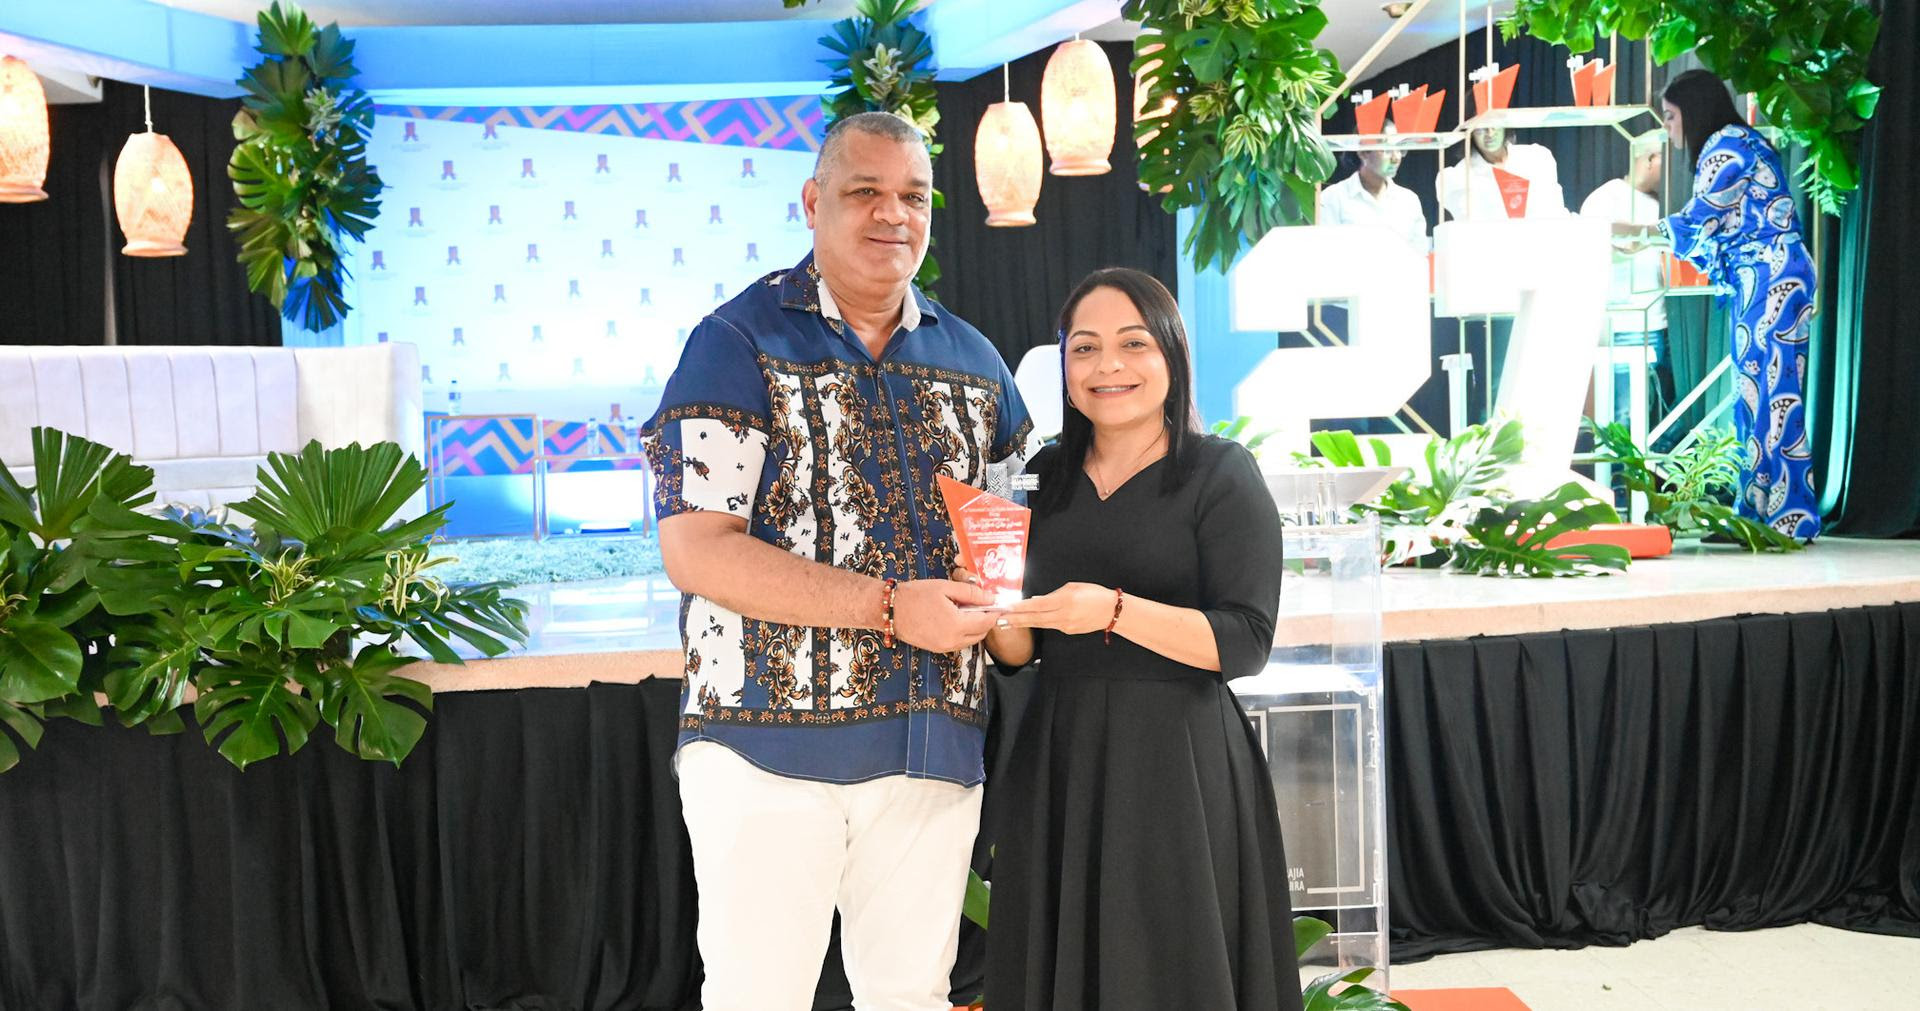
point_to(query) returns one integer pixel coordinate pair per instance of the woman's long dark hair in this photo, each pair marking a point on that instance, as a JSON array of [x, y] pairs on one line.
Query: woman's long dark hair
[[1706, 108], [1161, 314]]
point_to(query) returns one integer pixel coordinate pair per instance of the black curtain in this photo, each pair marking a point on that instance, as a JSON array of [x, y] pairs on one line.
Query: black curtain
[[1010, 282], [1865, 378], [1599, 787], [53, 252], [55, 255], [528, 855]]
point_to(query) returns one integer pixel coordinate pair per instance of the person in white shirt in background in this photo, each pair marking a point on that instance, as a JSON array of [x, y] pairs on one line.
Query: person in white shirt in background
[[1369, 196], [1638, 313], [1469, 190]]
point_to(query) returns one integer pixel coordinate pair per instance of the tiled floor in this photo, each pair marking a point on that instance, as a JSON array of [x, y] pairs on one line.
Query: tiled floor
[[1800, 968]]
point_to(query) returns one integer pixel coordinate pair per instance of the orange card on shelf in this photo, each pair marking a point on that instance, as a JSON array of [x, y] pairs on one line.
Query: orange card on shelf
[[1583, 83], [1502, 91], [1407, 108], [1371, 117], [992, 537], [1681, 274], [1430, 111], [1602, 89]]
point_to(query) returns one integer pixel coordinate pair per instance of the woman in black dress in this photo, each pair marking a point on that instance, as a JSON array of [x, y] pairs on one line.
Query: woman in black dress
[[1138, 861]]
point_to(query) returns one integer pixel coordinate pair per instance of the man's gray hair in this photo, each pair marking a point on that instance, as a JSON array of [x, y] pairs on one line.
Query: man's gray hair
[[874, 124], [1646, 144]]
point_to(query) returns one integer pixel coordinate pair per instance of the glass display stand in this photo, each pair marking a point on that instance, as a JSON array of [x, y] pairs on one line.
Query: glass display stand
[[441, 458], [1539, 117], [1393, 141], [1317, 710]]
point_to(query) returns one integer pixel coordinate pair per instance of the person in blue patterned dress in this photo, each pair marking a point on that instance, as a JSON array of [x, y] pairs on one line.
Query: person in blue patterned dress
[[1741, 227]]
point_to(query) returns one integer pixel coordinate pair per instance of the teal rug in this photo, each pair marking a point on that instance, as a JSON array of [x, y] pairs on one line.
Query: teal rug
[[523, 562]]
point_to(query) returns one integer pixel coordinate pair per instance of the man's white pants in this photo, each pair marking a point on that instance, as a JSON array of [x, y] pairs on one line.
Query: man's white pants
[[774, 856]]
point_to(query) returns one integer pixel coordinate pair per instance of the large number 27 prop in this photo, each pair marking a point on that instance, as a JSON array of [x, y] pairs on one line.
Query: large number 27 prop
[[1551, 275]]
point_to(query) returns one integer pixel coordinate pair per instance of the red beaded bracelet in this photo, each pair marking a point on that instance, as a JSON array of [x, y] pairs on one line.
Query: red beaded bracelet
[[1119, 598], [886, 607]]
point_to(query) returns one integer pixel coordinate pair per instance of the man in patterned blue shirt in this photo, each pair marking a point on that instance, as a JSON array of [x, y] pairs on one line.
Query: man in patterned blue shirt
[[834, 713]]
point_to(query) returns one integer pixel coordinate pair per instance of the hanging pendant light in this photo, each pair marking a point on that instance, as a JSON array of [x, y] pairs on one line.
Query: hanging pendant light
[[1078, 103], [1006, 161], [152, 194], [23, 133], [1141, 113]]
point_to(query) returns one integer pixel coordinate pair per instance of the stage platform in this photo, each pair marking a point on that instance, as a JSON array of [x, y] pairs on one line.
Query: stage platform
[[624, 630]]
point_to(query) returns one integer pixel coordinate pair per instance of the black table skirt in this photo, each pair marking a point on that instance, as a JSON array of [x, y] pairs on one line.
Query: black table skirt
[[1544, 790]]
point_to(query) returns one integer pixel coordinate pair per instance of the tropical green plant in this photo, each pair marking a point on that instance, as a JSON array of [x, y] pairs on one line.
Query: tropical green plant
[[1684, 490], [1353, 994], [51, 627], [300, 168], [1241, 430], [885, 64], [1805, 61], [1462, 510], [1241, 144], [1516, 538], [273, 629]]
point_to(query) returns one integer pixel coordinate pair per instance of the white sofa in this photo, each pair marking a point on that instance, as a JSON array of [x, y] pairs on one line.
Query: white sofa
[[205, 418]]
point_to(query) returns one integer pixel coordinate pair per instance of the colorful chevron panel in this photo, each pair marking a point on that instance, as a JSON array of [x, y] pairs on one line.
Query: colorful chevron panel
[[481, 447], [791, 123]]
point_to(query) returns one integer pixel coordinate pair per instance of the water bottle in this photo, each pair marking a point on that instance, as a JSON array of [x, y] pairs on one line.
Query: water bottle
[[593, 436], [453, 396]]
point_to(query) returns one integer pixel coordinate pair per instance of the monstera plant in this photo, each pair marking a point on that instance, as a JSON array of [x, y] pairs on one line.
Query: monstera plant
[[1241, 142], [273, 629], [300, 169], [1461, 511]]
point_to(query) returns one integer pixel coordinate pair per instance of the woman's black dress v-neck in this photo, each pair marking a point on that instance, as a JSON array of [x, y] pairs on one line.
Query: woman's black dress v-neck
[[1138, 858]]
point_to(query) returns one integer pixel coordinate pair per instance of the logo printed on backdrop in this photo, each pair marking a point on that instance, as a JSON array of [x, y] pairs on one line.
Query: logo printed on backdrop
[[426, 375], [579, 367], [572, 150], [419, 294], [568, 214], [505, 375], [459, 337], [414, 220], [410, 139], [794, 222]]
